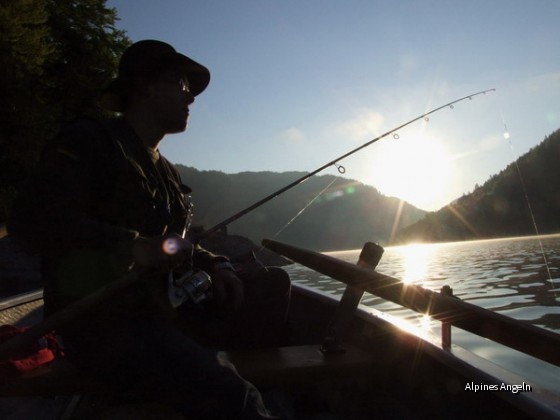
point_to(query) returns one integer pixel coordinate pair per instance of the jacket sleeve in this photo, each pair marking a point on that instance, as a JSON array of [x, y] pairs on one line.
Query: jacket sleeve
[[55, 211], [202, 258]]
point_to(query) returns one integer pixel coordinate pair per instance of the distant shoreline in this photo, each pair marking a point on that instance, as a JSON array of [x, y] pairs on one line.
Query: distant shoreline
[[461, 241]]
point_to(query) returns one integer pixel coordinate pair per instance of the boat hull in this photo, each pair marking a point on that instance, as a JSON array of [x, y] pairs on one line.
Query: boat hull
[[385, 372]]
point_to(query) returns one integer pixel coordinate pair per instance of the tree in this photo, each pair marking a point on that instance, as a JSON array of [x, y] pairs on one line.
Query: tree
[[22, 56], [55, 58]]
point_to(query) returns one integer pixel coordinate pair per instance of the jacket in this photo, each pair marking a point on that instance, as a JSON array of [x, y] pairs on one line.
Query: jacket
[[94, 191]]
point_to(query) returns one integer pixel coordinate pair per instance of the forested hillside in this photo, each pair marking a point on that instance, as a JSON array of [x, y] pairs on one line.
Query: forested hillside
[[345, 216], [56, 56], [523, 199]]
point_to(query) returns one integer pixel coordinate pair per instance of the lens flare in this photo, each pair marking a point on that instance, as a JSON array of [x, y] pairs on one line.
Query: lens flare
[[170, 246], [506, 131]]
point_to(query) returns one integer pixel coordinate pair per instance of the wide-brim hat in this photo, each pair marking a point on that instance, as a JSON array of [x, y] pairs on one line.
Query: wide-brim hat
[[146, 58]]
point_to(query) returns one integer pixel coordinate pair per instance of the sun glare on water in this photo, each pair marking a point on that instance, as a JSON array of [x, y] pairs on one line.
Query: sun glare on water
[[415, 261]]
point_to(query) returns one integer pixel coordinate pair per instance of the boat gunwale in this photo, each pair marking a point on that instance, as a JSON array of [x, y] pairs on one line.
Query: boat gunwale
[[539, 403], [20, 299]]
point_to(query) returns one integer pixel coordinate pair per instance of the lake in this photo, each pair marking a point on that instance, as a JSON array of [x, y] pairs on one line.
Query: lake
[[517, 277]]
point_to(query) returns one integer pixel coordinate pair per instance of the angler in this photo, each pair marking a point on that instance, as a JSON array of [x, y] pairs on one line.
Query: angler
[[104, 200]]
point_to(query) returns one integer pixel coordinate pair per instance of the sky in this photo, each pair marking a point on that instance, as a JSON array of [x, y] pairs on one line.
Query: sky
[[297, 83]]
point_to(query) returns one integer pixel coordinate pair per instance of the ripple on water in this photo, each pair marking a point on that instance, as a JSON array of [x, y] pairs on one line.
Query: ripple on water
[[501, 302], [528, 313], [504, 271], [520, 276], [530, 285], [488, 291], [533, 266], [486, 279]]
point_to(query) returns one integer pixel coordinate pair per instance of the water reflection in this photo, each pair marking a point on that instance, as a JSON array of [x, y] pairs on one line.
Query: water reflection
[[415, 262]]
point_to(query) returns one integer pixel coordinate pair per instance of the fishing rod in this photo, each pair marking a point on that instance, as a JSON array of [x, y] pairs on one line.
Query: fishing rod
[[334, 162]]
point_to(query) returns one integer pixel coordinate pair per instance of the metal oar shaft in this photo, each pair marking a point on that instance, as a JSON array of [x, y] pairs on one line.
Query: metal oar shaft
[[275, 194]]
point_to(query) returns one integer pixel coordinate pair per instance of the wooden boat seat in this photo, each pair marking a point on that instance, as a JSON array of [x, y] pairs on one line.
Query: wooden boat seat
[[297, 363]]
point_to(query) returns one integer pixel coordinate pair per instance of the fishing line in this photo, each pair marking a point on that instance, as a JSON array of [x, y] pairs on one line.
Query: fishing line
[[305, 207], [334, 162], [507, 136]]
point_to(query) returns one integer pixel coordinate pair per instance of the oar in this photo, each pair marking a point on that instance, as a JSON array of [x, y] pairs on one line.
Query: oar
[[64, 316], [519, 335]]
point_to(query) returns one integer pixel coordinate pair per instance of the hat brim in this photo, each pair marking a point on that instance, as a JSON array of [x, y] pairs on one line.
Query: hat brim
[[197, 75]]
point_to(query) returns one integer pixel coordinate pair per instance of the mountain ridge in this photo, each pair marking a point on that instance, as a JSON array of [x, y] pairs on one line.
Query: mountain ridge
[[325, 212]]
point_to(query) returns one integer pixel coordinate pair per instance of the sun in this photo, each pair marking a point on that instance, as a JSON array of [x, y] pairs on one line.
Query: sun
[[414, 168]]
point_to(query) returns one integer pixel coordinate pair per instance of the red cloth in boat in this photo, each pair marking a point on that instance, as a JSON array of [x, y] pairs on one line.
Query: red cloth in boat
[[43, 351]]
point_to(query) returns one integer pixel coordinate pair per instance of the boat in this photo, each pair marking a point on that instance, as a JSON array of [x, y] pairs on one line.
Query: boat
[[342, 361]]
